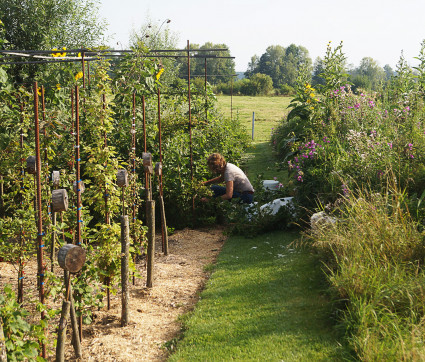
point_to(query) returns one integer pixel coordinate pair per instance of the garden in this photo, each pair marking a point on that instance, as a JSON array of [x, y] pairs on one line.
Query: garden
[[356, 158], [87, 148], [104, 240]]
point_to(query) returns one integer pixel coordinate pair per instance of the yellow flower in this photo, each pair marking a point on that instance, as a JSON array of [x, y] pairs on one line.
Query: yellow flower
[[79, 55], [78, 75], [55, 54], [312, 95], [64, 53], [308, 100], [1, 23], [39, 91], [159, 73], [58, 86]]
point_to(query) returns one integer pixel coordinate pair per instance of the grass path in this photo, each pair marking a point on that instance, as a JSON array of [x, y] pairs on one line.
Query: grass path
[[264, 300], [262, 303]]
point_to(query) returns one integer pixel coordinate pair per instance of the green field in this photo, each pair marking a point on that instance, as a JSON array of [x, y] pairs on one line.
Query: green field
[[268, 112]]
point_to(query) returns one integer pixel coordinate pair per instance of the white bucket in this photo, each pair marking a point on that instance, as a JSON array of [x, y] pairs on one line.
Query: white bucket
[[271, 185]]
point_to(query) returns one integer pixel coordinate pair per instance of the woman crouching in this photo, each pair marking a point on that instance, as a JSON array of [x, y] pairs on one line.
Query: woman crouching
[[237, 184]]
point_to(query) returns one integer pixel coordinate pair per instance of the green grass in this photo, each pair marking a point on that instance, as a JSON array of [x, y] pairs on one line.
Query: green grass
[[262, 303], [269, 111]]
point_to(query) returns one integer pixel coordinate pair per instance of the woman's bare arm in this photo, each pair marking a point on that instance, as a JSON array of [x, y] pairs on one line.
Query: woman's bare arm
[[229, 191], [217, 179]]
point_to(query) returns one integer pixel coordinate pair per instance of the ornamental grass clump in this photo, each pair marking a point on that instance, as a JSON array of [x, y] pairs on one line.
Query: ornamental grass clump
[[374, 258]]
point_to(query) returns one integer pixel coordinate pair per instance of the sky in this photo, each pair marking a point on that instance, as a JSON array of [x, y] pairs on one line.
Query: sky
[[380, 29]]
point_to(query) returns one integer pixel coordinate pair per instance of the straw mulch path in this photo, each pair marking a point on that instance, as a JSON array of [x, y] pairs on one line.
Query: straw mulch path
[[178, 279]]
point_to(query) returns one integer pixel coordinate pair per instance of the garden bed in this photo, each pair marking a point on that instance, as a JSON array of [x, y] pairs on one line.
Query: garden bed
[[178, 279]]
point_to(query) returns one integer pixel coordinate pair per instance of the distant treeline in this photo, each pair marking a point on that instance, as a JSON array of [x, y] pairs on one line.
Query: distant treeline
[[275, 73]]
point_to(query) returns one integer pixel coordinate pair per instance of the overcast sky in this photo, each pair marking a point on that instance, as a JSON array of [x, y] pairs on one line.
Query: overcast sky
[[380, 29]]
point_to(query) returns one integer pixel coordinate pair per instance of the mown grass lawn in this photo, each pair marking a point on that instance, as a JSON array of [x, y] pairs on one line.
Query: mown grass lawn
[[262, 303], [265, 300], [269, 113]]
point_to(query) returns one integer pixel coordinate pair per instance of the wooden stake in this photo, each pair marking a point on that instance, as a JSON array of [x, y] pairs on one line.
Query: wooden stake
[[53, 246], [76, 342], [60, 346], [164, 225], [150, 217], [125, 246]]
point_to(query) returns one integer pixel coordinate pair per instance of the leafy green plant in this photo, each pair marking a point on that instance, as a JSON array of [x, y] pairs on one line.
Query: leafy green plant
[[22, 339]]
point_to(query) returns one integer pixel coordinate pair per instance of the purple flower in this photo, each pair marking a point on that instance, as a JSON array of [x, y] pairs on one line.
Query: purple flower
[[357, 106]]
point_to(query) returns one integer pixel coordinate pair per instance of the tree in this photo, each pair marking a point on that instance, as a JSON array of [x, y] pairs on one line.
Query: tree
[[317, 70], [280, 64], [368, 75], [258, 84], [44, 24], [48, 24], [271, 63], [252, 65], [295, 58], [219, 69], [389, 72]]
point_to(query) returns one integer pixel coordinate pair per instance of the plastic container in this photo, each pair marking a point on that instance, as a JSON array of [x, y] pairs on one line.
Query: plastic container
[[271, 185]]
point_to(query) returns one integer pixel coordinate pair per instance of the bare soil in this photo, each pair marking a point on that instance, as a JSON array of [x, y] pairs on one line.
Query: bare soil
[[178, 279]]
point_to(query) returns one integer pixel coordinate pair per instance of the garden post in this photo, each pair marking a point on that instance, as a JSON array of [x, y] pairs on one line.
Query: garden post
[[150, 216], [60, 346], [125, 245], [253, 124]]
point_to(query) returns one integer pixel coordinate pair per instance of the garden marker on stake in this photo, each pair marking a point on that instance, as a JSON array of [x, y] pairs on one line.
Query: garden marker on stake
[[134, 178], [40, 233], [164, 236], [20, 298]]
